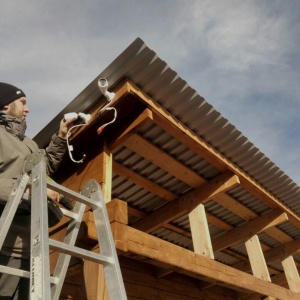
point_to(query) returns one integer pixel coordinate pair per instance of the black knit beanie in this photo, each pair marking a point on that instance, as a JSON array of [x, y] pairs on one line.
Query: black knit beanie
[[9, 93]]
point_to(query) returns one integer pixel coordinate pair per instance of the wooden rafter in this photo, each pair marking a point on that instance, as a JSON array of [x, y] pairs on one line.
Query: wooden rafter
[[183, 134], [186, 203], [247, 230]]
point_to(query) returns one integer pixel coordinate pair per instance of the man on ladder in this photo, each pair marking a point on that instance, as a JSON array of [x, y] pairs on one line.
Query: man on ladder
[[14, 149]]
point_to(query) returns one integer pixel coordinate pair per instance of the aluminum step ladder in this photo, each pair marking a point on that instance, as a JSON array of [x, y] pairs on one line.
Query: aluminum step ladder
[[42, 285]]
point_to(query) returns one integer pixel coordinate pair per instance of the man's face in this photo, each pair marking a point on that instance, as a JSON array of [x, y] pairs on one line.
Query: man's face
[[17, 108]]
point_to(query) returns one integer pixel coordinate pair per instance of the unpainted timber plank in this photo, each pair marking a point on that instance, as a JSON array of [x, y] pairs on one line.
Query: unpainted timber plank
[[200, 232], [256, 258], [193, 264]]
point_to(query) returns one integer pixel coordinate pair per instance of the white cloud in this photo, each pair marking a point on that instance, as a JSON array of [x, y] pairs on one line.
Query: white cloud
[[242, 56]]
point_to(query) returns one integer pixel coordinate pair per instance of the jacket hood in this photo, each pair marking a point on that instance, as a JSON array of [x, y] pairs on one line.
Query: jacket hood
[[13, 125]]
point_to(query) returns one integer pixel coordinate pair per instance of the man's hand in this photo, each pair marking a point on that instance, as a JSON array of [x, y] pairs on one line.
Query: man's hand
[[64, 127], [50, 193], [53, 195]]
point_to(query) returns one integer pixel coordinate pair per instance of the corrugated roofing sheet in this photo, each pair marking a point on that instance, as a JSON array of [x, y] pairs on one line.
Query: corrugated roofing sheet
[[144, 68]]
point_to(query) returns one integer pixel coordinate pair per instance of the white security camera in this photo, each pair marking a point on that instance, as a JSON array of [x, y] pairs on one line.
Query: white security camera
[[84, 117], [74, 116], [103, 85], [71, 115]]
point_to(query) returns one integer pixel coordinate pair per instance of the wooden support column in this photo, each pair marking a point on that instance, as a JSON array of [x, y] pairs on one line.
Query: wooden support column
[[94, 282], [93, 273], [200, 232], [106, 182], [257, 260], [291, 274]]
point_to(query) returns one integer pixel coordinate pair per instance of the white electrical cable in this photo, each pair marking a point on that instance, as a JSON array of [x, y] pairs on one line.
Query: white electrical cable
[[70, 147], [106, 107]]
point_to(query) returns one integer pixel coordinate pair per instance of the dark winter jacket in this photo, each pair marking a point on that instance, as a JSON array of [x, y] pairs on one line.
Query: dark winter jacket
[[14, 148]]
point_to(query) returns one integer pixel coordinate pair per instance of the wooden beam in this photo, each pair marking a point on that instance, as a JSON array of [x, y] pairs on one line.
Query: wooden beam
[[280, 278], [106, 170], [199, 266], [223, 199], [235, 206], [132, 127], [283, 251], [291, 274], [274, 254], [143, 182], [247, 230], [186, 203], [165, 161], [279, 235], [256, 258], [183, 134], [94, 283], [200, 232]]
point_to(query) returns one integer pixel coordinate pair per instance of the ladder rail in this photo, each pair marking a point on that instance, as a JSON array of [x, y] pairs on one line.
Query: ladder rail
[[39, 254], [114, 279], [64, 258], [42, 285], [11, 207], [73, 195]]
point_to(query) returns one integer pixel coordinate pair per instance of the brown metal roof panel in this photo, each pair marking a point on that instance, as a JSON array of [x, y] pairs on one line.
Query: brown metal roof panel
[[290, 229], [173, 237], [225, 258], [248, 200], [222, 213], [143, 67]]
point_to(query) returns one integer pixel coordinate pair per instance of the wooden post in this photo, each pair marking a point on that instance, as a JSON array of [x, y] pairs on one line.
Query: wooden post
[[257, 260], [94, 282], [291, 274], [200, 232], [106, 170], [94, 279]]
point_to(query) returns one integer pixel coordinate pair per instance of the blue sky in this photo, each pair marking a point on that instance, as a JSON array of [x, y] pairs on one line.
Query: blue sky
[[243, 57]]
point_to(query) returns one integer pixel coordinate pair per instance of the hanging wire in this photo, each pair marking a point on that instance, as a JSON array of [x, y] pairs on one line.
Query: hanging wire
[[70, 147], [106, 107]]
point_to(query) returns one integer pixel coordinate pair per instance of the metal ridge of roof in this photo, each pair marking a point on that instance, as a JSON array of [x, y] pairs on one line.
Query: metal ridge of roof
[[144, 68]]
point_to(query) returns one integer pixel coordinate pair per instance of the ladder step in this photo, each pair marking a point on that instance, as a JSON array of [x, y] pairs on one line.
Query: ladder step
[[80, 253], [22, 273], [13, 271], [73, 195], [69, 214]]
